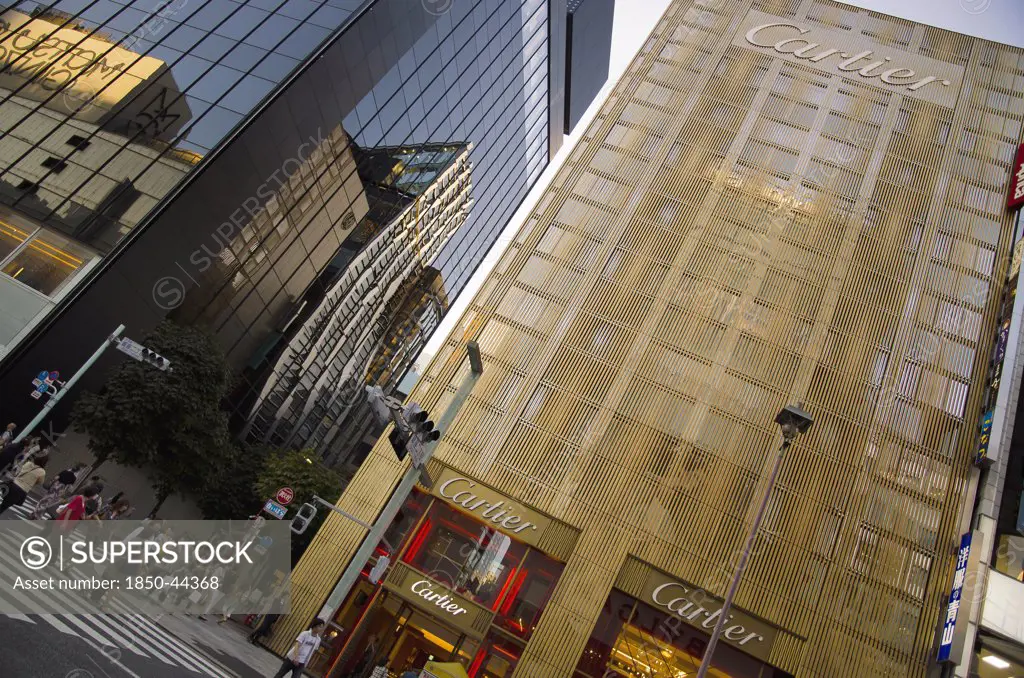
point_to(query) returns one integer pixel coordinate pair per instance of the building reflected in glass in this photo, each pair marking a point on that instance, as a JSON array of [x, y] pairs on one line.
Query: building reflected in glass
[[227, 164]]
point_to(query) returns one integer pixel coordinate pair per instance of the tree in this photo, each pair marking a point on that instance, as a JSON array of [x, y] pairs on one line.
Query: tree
[[230, 494], [169, 422], [298, 470]]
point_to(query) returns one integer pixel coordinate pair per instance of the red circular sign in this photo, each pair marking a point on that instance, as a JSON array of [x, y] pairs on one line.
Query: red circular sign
[[285, 496]]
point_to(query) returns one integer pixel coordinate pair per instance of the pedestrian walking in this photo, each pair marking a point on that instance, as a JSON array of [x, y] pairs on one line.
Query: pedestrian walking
[[117, 509], [302, 650], [263, 629], [8, 435], [57, 492], [98, 484], [77, 508], [28, 476], [14, 453], [366, 660]]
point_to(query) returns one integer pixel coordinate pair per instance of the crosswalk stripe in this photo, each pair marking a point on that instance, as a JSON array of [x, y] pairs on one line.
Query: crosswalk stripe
[[147, 644], [66, 602], [127, 631], [214, 666], [183, 651]]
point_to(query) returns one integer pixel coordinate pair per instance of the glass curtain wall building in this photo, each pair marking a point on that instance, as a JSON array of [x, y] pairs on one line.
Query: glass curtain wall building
[[782, 201], [221, 162]]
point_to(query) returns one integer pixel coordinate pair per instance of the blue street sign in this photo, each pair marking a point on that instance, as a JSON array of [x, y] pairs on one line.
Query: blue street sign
[[43, 375], [43, 388], [953, 608], [275, 509]]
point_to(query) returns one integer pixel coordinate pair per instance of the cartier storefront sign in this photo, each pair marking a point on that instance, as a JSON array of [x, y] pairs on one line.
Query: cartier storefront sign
[[490, 506], [433, 598], [852, 56], [696, 607]]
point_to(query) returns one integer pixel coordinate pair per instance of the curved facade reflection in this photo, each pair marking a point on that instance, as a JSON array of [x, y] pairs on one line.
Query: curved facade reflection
[[227, 164]]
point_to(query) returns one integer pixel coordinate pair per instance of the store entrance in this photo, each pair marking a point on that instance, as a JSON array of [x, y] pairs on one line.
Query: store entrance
[[406, 639], [423, 639]]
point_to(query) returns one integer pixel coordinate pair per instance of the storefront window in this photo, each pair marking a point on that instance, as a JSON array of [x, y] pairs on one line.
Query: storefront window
[[406, 519], [465, 555], [1010, 556], [497, 658], [529, 592], [47, 263], [634, 640]]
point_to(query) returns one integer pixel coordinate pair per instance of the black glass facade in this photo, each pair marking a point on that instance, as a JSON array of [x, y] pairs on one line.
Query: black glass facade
[[223, 162]]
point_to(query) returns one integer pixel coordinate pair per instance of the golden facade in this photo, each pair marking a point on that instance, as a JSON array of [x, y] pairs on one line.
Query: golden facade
[[745, 225]]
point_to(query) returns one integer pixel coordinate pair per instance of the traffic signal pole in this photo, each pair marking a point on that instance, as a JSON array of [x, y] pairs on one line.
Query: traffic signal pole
[[55, 398], [401, 493]]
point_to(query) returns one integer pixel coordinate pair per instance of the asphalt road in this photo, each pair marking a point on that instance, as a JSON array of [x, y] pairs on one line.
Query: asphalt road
[[32, 649], [62, 644]]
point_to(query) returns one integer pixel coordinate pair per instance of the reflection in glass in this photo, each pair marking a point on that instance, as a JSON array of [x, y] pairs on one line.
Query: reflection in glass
[[11, 237], [529, 592], [465, 555], [47, 263]]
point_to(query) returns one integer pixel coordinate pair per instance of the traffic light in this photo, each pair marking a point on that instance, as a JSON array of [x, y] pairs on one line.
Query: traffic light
[[155, 359], [423, 427], [303, 518], [399, 441], [412, 431]]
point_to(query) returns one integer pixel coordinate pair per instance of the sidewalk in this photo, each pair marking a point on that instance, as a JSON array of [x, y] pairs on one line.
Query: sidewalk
[[227, 643]]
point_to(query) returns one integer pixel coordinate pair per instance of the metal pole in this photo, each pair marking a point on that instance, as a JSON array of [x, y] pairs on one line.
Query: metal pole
[[54, 399], [346, 514], [398, 497], [734, 586]]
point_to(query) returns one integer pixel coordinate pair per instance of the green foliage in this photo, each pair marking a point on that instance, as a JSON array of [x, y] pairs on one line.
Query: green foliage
[[170, 423], [229, 493], [300, 471]]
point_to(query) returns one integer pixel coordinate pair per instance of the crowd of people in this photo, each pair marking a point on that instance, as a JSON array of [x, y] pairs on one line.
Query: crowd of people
[[66, 497], [69, 496]]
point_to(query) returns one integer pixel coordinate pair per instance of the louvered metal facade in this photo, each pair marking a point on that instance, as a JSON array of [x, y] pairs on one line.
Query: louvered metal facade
[[741, 228]]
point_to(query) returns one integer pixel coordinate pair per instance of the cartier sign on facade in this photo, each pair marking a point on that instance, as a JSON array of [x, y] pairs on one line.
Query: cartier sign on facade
[[702, 610], [435, 599], [490, 506], [851, 56]]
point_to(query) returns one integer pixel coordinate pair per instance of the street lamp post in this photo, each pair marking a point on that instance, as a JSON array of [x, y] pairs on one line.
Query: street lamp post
[[793, 421]]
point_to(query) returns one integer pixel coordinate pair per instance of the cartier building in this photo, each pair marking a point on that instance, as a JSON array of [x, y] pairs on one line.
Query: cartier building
[[781, 202]]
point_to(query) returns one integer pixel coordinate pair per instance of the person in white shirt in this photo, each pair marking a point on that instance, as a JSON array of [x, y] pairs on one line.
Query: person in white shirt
[[302, 651]]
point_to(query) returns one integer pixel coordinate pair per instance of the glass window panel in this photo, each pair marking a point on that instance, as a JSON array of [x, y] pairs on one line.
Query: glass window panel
[[246, 94], [465, 555], [531, 588], [270, 33], [12, 235], [214, 84], [275, 67], [244, 57], [211, 14], [243, 20], [47, 263]]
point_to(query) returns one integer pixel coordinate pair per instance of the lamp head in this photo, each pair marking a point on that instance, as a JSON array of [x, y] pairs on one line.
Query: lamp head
[[793, 421]]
